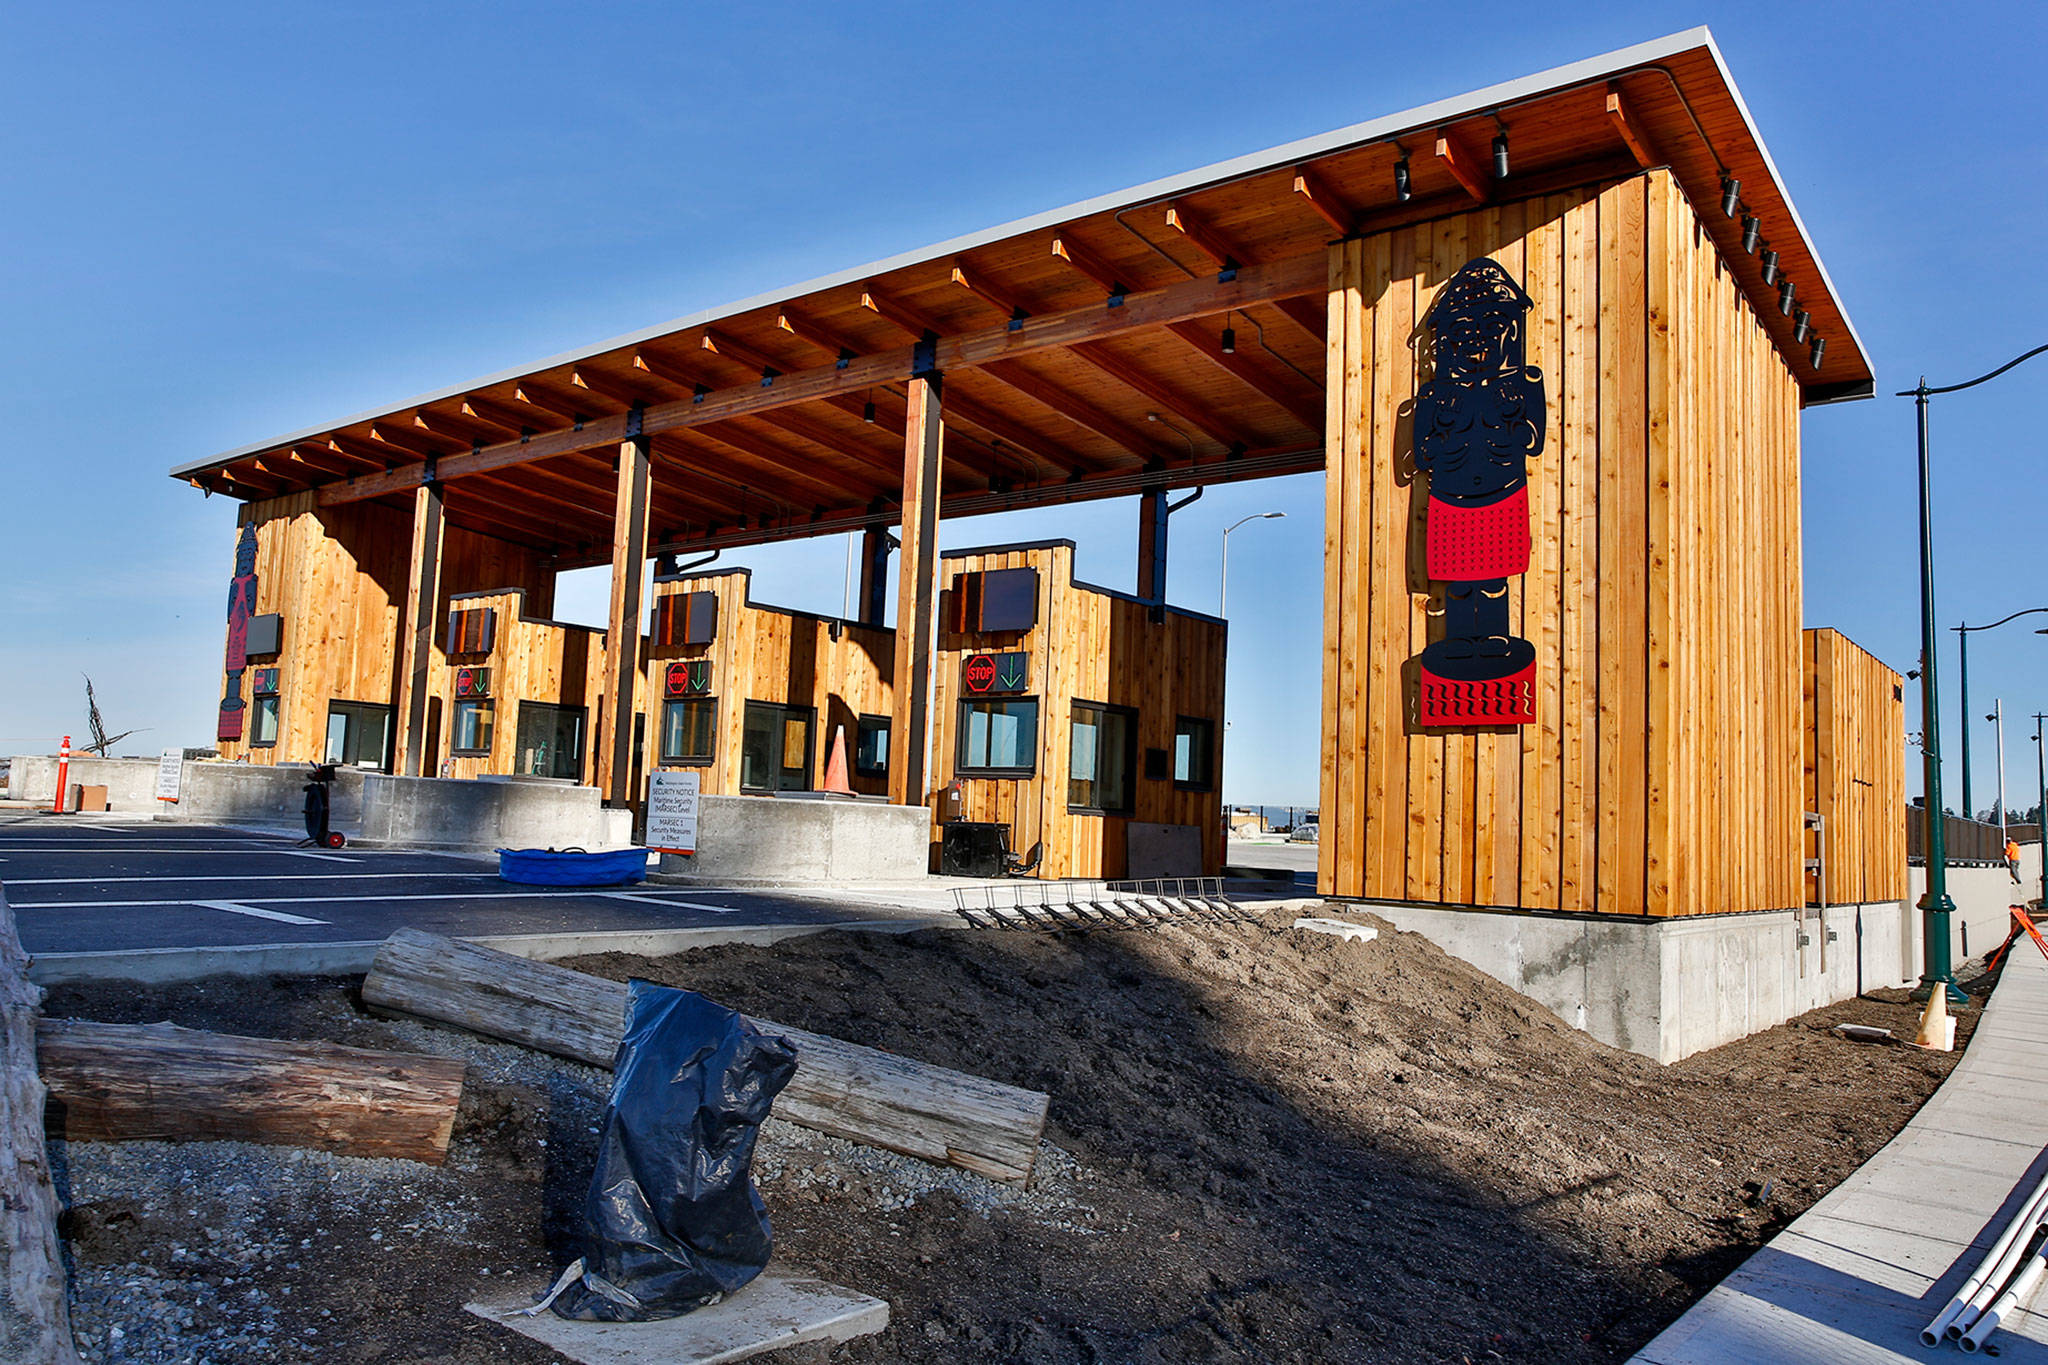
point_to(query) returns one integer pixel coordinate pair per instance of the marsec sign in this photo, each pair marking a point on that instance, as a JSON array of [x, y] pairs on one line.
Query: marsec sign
[[672, 811]]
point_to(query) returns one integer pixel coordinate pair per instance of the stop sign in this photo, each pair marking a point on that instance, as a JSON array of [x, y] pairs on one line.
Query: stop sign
[[678, 680], [981, 673]]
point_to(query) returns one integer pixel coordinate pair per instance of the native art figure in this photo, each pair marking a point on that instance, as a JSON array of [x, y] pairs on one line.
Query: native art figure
[[241, 606], [1478, 422]]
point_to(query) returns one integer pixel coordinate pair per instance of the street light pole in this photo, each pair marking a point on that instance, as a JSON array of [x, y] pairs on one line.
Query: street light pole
[[1936, 906], [1998, 717], [2041, 795], [1963, 634], [1223, 578]]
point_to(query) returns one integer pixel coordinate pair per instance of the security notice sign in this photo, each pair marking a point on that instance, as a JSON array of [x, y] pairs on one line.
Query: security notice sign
[[170, 775], [672, 811]]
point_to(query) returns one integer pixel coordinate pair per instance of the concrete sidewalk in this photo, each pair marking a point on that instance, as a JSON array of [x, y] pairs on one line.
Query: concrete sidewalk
[[1856, 1278]]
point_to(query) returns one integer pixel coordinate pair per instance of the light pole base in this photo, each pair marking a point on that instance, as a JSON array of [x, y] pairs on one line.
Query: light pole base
[[1956, 998]]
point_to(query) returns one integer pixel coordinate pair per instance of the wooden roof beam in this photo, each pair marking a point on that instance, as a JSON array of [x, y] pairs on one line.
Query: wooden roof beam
[[1630, 131], [1229, 255], [887, 463], [1301, 276], [1066, 248], [1119, 433], [1261, 378], [318, 461], [546, 402], [979, 285], [1117, 368], [1461, 164], [783, 468], [410, 442], [807, 329], [1320, 197], [1035, 445], [722, 345], [898, 315], [611, 388], [498, 414]]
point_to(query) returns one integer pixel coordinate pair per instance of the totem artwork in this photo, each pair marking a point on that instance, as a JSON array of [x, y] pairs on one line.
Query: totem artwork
[[1478, 422], [241, 606]]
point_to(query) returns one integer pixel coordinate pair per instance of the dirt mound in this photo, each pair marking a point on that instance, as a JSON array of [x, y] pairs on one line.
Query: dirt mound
[[1264, 1145]]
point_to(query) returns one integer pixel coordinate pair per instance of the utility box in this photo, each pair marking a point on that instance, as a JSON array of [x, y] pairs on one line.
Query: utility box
[[86, 799], [972, 848]]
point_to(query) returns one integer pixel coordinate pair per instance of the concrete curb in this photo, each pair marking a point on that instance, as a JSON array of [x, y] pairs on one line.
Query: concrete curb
[[170, 966]]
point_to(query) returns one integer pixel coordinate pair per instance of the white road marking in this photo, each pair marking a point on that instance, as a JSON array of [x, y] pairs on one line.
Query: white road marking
[[235, 908], [323, 857], [673, 905], [250, 877]]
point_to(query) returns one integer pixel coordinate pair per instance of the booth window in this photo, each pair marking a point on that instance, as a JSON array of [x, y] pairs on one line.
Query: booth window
[[1102, 750], [1194, 753], [999, 738], [549, 742], [688, 727], [473, 720], [263, 724], [871, 746], [775, 748], [359, 734]]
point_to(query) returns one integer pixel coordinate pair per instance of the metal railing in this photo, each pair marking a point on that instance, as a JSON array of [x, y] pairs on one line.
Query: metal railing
[[1968, 841]]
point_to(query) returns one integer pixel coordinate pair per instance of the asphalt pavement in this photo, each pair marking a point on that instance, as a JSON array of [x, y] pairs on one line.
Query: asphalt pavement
[[95, 884]]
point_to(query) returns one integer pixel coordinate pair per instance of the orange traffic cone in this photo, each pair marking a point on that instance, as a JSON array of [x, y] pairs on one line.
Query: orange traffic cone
[[835, 766]]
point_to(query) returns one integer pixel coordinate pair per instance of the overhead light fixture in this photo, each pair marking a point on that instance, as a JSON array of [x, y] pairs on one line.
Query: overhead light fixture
[[1770, 260], [1802, 324], [867, 411], [1785, 295], [1403, 187], [1820, 348], [1500, 155], [1752, 231], [1731, 195], [1229, 336]]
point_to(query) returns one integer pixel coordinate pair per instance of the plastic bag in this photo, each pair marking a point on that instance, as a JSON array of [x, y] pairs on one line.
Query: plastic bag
[[672, 1222]]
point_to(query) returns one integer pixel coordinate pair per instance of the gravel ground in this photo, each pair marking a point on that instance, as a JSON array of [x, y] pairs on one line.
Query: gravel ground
[[1263, 1146]]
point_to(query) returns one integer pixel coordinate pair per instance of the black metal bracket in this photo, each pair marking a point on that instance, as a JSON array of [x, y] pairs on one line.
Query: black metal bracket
[[845, 359], [636, 417], [768, 373], [1116, 297], [429, 465], [700, 393], [1017, 316], [924, 356], [1227, 274]]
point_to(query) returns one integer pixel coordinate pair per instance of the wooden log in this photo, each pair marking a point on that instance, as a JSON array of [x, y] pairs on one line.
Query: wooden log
[[135, 1082], [35, 1320], [858, 1093]]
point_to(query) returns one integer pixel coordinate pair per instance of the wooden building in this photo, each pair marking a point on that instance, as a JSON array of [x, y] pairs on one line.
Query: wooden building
[[1599, 709]]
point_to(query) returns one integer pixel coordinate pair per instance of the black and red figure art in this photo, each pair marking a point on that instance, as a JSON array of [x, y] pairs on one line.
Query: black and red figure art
[[1478, 422], [241, 606]]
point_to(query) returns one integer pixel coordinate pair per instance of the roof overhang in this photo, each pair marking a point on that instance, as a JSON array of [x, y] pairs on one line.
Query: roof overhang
[[781, 414]]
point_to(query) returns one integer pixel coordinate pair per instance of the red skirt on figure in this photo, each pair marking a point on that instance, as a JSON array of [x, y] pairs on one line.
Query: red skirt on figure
[[1477, 544]]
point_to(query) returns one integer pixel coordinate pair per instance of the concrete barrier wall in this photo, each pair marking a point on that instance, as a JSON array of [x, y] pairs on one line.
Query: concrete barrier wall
[[130, 782], [483, 814], [771, 839], [1669, 988], [209, 792]]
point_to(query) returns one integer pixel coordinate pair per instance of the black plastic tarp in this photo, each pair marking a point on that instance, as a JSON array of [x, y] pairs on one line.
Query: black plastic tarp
[[672, 1221]]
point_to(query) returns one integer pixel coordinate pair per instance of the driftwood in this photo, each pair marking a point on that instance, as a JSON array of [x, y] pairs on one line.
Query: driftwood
[[132, 1082], [859, 1093], [35, 1321]]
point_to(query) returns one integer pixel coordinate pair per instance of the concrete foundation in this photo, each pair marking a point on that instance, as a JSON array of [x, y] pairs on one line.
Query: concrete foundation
[[765, 839], [1669, 988], [1153, 850], [486, 813]]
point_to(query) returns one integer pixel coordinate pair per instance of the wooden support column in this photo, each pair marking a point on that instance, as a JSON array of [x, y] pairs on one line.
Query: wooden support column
[[875, 546], [622, 661], [416, 648], [1152, 512], [917, 594]]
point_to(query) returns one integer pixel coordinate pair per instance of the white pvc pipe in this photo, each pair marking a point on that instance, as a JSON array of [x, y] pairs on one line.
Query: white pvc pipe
[[2029, 1214], [2022, 1287], [2001, 1273]]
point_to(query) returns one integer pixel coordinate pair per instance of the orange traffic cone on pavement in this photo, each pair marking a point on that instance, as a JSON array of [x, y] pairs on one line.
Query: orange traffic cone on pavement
[[835, 766]]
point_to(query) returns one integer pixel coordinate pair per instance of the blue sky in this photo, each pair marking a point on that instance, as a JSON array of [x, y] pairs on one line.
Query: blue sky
[[224, 222]]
